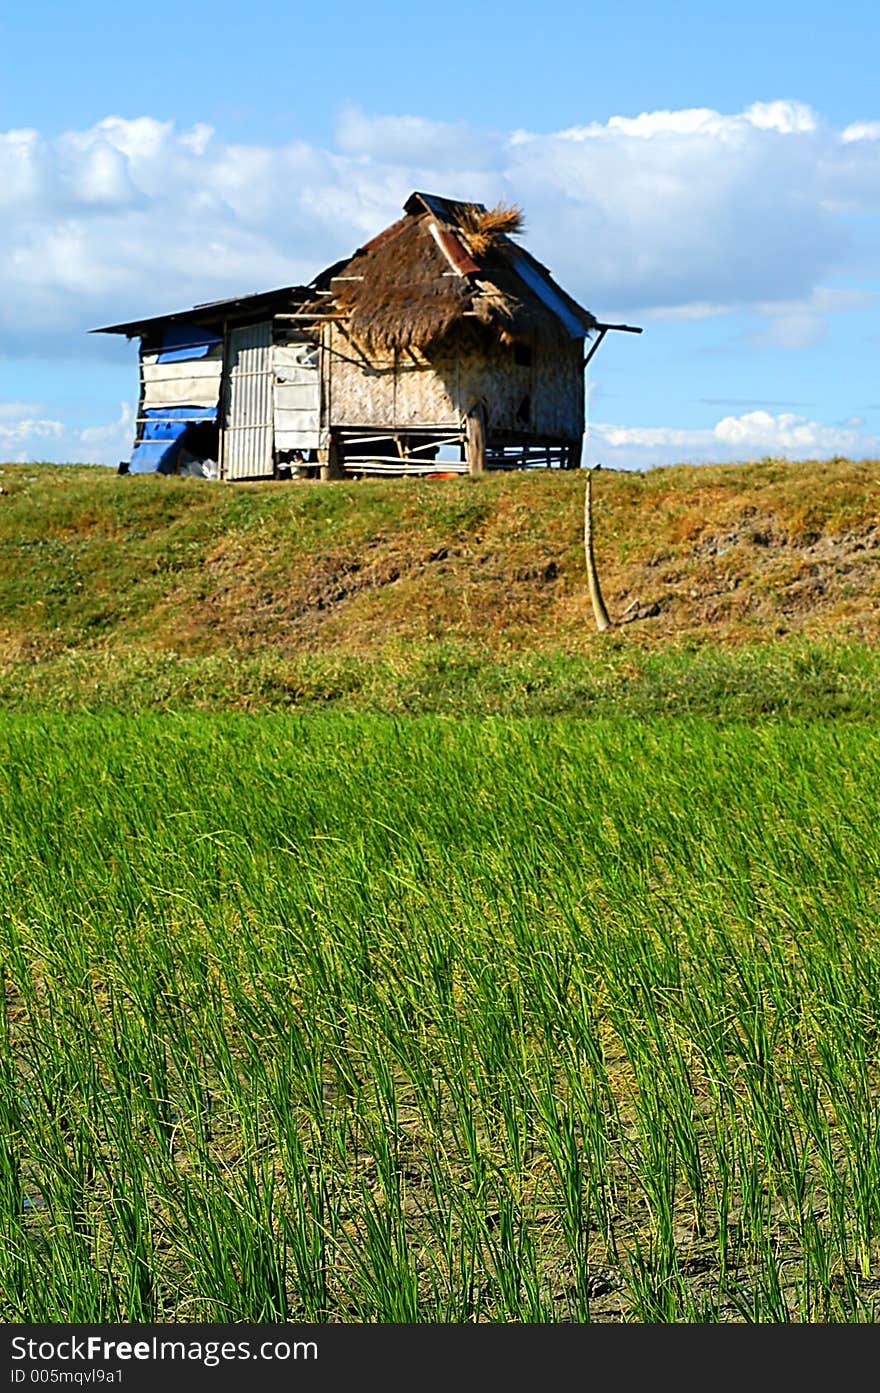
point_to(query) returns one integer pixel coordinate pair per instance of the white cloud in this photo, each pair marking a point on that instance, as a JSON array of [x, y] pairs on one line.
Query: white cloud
[[674, 208], [697, 309], [797, 329], [416, 143], [786, 117], [27, 435], [754, 434], [862, 130], [18, 430], [827, 299], [17, 410], [687, 213], [113, 440]]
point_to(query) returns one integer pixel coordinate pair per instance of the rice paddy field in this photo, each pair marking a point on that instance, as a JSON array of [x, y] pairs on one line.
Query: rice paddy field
[[349, 1018]]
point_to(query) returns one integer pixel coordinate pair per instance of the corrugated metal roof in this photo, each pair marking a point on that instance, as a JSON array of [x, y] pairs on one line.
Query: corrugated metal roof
[[214, 311], [449, 209]]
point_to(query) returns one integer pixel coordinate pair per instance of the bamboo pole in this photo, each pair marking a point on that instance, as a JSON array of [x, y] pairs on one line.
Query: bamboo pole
[[599, 610]]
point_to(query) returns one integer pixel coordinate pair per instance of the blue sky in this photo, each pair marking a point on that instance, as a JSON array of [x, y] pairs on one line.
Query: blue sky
[[709, 172]]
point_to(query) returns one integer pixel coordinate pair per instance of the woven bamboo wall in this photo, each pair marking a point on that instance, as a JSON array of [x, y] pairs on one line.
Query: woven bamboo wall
[[558, 393], [409, 389]]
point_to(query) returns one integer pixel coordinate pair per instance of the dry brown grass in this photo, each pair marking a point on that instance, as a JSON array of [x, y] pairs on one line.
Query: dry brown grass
[[485, 228], [727, 555]]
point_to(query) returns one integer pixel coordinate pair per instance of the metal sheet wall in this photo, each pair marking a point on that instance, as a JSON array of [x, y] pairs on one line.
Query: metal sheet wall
[[297, 396], [246, 438], [192, 382]]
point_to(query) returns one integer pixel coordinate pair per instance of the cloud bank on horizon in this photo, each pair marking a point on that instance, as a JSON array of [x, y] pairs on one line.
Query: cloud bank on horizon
[[665, 218]]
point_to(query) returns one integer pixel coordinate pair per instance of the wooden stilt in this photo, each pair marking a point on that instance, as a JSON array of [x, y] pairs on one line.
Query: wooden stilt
[[330, 460], [476, 439], [573, 453]]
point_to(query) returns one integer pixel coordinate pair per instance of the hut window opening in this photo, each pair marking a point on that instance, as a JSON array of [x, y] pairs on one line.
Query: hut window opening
[[522, 355]]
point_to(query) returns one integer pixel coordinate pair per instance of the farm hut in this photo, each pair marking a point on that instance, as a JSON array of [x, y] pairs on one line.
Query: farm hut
[[441, 346]]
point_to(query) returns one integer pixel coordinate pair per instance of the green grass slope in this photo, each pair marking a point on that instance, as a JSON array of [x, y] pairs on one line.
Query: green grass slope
[[740, 589]]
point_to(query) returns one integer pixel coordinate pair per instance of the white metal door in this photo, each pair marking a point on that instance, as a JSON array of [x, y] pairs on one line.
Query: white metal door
[[247, 427]]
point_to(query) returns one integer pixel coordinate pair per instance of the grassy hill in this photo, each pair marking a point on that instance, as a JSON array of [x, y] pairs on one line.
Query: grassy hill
[[742, 589]]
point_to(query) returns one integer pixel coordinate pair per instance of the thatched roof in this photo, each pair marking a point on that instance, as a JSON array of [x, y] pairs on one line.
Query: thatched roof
[[446, 264]]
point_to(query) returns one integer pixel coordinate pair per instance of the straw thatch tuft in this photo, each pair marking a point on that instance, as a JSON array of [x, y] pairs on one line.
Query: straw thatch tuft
[[485, 229]]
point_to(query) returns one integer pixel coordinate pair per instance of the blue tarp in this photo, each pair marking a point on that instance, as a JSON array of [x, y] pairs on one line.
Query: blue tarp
[[156, 452], [182, 341]]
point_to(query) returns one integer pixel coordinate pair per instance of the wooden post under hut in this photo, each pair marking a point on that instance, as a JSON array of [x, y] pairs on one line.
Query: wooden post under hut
[[476, 440]]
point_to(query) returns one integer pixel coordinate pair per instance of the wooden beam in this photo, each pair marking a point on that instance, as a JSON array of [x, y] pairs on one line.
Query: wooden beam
[[606, 328], [594, 347], [620, 328]]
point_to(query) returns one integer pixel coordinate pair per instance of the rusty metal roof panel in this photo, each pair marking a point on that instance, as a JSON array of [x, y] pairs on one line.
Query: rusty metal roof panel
[[387, 234], [460, 260]]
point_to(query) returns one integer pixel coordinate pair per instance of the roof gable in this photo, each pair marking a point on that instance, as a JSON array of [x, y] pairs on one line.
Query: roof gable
[[395, 293]]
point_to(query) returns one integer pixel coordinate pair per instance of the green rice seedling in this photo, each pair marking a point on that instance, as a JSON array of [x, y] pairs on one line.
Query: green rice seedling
[[308, 1225], [384, 1286], [654, 1284], [349, 1018], [15, 1200], [512, 1263], [565, 1146]]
